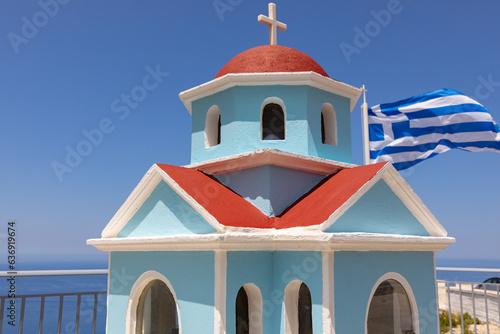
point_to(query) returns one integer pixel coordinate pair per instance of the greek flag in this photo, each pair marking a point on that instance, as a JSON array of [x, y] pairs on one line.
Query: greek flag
[[412, 130]]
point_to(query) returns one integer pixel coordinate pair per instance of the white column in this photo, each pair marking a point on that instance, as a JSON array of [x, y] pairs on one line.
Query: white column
[[220, 292], [328, 302]]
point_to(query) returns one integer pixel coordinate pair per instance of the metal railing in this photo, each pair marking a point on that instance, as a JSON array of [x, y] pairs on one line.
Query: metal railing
[[480, 301], [469, 307], [10, 309]]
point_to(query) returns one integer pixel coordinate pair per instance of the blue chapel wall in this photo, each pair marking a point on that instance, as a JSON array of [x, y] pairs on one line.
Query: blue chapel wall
[[190, 273], [379, 210], [271, 272], [269, 187], [164, 212], [356, 273], [240, 109]]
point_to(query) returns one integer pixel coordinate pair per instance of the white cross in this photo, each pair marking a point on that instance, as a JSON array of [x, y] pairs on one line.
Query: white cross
[[272, 23]]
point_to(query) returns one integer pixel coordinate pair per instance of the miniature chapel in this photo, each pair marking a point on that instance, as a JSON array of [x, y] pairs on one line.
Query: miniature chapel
[[271, 228]]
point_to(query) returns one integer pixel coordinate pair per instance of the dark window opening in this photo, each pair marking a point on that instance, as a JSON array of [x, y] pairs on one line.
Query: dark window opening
[[328, 125], [304, 310], [218, 130], [322, 128], [242, 318], [273, 122], [213, 127]]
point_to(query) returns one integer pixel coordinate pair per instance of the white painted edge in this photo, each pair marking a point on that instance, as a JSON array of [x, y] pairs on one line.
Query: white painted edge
[[276, 241], [190, 200], [254, 308], [404, 192], [135, 294], [327, 259], [107, 295], [409, 292], [270, 156], [220, 278], [437, 294], [290, 309], [312, 79], [354, 198], [139, 195]]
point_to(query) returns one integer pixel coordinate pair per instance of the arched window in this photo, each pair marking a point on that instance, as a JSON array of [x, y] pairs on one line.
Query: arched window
[[390, 310], [249, 310], [212, 127], [304, 310], [298, 308], [242, 317], [273, 122], [328, 125], [156, 310]]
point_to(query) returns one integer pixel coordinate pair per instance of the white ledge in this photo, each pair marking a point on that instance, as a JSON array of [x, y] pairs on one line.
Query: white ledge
[[276, 240], [312, 79], [269, 156]]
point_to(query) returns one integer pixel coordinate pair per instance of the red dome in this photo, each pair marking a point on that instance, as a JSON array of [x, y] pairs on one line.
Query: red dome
[[271, 58]]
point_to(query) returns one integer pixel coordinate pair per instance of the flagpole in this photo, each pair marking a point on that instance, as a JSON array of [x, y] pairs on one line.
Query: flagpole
[[364, 120]]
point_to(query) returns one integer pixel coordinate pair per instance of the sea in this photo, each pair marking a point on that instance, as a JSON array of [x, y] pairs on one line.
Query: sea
[[71, 284], [56, 285]]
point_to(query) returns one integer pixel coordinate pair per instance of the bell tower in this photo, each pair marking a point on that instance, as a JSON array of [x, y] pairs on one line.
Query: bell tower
[[271, 97]]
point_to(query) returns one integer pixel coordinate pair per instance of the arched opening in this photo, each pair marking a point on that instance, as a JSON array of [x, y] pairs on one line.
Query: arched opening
[[298, 308], [242, 315], [249, 310], [156, 310], [305, 310], [328, 125], [390, 310], [212, 127], [273, 122]]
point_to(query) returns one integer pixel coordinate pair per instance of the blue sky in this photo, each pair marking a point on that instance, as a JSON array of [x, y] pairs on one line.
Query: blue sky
[[65, 64]]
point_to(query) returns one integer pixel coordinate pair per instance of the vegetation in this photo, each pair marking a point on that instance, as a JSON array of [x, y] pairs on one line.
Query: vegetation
[[444, 321]]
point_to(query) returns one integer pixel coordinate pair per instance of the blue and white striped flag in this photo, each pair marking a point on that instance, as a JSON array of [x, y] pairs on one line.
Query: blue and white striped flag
[[412, 130]]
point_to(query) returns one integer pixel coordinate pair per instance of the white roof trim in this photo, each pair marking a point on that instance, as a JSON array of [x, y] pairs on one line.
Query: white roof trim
[[276, 240], [132, 203], [142, 192], [403, 190], [269, 156], [312, 79], [405, 193]]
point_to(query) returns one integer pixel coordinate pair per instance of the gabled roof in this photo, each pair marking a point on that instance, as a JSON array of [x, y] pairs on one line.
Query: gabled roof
[[317, 210]]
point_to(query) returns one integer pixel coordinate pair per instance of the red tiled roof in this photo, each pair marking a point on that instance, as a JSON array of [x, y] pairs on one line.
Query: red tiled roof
[[230, 209], [271, 58]]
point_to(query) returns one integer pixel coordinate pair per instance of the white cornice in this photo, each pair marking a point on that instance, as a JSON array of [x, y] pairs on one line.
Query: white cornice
[[270, 157], [276, 241], [312, 79]]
